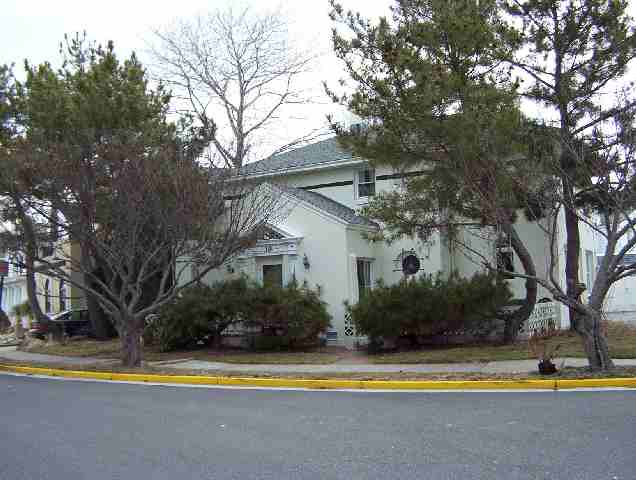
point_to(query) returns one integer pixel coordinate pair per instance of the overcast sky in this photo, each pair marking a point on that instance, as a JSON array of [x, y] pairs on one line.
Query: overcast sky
[[32, 29]]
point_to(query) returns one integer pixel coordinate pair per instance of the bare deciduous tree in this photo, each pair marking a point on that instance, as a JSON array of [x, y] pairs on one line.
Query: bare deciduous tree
[[237, 73]]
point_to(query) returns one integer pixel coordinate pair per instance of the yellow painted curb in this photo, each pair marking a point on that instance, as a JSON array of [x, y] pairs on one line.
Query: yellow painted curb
[[330, 384], [597, 383]]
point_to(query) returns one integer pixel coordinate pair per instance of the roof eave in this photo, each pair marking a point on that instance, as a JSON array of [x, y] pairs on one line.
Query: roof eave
[[291, 171]]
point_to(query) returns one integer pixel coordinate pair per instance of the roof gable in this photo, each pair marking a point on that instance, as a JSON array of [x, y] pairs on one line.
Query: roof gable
[[333, 208]]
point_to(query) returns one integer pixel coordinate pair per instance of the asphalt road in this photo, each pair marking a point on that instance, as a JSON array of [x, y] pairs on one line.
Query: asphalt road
[[65, 430]]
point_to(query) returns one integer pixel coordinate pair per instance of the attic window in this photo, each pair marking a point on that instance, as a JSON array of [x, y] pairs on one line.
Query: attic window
[[266, 233], [366, 183]]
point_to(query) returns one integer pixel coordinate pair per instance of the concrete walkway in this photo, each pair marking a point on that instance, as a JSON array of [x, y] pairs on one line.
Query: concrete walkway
[[12, 353], [512, 366]]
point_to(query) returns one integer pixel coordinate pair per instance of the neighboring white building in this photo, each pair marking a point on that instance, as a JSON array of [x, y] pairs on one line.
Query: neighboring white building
[[322, 241], [14, 291], [620, 303]]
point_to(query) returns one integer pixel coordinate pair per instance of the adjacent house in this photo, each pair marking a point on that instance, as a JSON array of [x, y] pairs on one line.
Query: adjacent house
[[56, 295], [324, 241]]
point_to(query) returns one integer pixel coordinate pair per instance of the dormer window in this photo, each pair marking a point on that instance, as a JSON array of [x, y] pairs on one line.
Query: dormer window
[[365, 183]]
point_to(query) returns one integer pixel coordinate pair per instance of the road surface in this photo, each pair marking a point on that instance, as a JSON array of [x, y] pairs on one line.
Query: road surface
[[68, 430]]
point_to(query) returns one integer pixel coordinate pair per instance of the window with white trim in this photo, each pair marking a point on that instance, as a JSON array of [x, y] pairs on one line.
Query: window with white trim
[[19, 264], [364, 267], [365, 183]]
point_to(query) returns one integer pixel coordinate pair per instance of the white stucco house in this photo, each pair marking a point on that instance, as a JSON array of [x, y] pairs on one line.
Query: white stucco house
[[322, 240]]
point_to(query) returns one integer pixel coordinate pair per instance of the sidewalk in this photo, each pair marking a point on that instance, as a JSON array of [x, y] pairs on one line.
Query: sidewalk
[[513, 366], [12, 353]]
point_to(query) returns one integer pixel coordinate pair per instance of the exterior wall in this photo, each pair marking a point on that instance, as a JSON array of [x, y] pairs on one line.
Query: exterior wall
[[590, 249], [344, 192], [340, 193], [620, 304], [460, 259], [386, 255]]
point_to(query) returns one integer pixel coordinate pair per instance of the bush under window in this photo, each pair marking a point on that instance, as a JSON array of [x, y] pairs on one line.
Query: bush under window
[[277, 318], [430, 306]]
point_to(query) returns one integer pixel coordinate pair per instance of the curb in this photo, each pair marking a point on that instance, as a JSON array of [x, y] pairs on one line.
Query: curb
[[331, 384]]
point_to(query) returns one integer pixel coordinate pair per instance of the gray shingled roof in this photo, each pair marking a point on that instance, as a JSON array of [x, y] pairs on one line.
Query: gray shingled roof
[[330, 206], [325, 151]]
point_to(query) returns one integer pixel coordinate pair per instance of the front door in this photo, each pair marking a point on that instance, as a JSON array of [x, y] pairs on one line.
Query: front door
[[273, 275]]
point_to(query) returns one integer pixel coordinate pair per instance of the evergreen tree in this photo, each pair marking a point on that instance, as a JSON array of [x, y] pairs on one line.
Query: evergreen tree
[[436, 98], [93, 100]]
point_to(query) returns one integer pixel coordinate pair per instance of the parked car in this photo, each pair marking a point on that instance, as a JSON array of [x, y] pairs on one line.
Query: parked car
[[72, 322]]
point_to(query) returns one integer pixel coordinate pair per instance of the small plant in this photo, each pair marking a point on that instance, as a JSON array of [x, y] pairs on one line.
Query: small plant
[[23, 310], [543, 349]]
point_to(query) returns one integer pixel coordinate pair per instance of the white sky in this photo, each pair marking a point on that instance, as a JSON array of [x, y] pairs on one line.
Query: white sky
[[32, 29]]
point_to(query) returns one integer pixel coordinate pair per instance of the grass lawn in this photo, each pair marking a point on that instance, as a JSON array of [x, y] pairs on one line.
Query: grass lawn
[[111, 349], [622, 340], [621, 337]]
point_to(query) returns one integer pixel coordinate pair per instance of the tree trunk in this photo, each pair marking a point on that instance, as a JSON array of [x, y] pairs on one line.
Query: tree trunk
[[594, 342], [130, 337], [514, 321], [573, 246], [589, 325], [100, 323], [5, 323], [30, 250]]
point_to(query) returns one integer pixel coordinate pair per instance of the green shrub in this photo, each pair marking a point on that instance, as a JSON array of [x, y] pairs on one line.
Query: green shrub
[[429, 306], [22, 310], [294, 312], [294, 315], [269, 343], [200, 314]]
